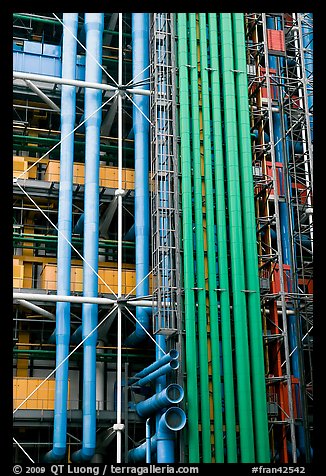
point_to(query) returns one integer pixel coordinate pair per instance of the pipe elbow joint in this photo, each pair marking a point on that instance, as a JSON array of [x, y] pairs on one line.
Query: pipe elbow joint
[[139, 334], [174, 419], [84, 454], [54, 455]]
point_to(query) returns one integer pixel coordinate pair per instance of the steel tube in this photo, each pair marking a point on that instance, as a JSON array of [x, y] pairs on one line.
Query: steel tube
[[79, 299], [75, 82]]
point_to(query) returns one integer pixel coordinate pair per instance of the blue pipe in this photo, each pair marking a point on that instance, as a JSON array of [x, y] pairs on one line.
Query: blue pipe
[[148, 441], [140, 60], [170, 395], [307, 40], [165, 369], [138, 454], [94, 25], [68, 114], [174, 419], [163, 191], [172, 355]]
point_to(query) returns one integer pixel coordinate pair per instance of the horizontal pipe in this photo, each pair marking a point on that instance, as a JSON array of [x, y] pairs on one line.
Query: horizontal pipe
[[53, 140], [53, 238], [167, 368], [37, 309], [75, 82], [172, 355], [170, 395], [80, 299]]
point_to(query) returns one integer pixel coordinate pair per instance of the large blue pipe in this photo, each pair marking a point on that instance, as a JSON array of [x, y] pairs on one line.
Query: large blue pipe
[[170, 395], [62, 333], [94, 24], [140, 60], [174, 419]]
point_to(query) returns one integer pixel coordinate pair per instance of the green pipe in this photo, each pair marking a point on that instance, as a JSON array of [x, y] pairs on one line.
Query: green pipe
[[249, 234], [53, 239], [211, 256], [36, 19], [236, 244], [199, 234], [222, 255], [23, 139], [190, 327]]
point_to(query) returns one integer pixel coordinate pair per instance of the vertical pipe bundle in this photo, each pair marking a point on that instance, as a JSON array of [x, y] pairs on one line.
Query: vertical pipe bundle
[[199, 237], [140, 61], [211, 255], [249, 236], [94, 24], [68, 114], [222, 253], [233, 341], [236, 243], [190, 326]]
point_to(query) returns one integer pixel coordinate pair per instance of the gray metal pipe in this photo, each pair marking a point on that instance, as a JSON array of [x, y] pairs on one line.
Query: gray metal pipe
[[37, 309], [76, 82], [80, 299]]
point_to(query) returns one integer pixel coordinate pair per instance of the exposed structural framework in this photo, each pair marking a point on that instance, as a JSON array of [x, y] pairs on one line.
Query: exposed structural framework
[[163, 237]]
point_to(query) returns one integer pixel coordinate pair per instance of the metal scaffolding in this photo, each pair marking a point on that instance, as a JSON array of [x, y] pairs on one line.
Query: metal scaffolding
[[283, 192], [164, 176]]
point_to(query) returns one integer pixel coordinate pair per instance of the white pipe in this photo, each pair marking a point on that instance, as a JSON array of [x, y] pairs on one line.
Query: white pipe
[[41, 94], [100, 379], [79, 299], [37, 309], [119, 337], [74, 82]]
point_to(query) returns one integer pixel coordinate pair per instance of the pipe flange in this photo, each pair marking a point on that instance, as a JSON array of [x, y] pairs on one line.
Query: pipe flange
[[119, 192]]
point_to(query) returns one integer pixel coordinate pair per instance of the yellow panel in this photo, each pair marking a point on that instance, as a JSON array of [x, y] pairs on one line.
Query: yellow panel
[[18, 274], [76, 279], [52, 171], [48, 277], [19, 166], [79, 173], [43, 398]]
